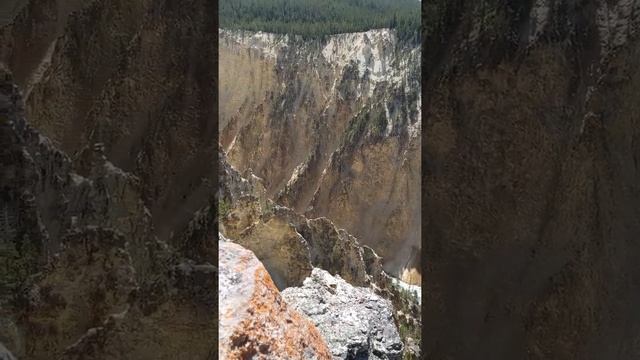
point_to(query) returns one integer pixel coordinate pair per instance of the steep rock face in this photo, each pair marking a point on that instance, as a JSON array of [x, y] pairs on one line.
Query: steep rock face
[[290, 245], [61, 306], [83, 276], [174, 318], [45, 198], [254, 320], [335, 249], [306, 116], [355, 322], [282, 249], [248, 218], [170, 317], [143, 88], [287, 243], [531, 190]]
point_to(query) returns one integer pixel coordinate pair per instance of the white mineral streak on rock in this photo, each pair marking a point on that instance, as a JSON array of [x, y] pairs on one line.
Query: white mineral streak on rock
[[377, 54], [300, 169], [267, 44], [373, 51], [389, 120], [415, 128]]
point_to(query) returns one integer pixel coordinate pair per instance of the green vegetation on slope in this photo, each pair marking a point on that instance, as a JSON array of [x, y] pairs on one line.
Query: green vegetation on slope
[[318, 18]]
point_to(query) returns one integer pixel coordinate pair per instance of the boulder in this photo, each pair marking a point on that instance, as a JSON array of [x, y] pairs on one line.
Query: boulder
[[355, 322], [255, 322]]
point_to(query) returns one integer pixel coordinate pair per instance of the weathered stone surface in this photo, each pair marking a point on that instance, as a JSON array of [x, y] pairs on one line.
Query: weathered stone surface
[[107, 247], [173, 319], [90, 279], [197, 242], [255, 322], [233, 185], [355, 322], [281, 248], [44, 198]]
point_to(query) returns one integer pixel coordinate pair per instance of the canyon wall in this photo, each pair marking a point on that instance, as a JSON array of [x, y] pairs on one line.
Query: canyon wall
[[107, 172], [83, 275], [137, 77], [332, 127], [531, 197]]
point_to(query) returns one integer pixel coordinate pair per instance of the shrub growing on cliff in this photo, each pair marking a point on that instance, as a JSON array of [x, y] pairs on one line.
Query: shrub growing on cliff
[[355, 129], [16, 264], [379, 124], [224, 207]]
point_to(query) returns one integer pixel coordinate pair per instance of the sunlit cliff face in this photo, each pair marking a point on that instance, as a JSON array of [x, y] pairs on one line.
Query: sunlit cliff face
[[333, 129]]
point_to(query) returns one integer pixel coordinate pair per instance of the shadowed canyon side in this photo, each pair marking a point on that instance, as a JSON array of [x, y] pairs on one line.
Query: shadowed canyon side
[[107, 172], [532, 189], [332, 127], [135, 76], [83, 275], [28, 35], [9, 9]]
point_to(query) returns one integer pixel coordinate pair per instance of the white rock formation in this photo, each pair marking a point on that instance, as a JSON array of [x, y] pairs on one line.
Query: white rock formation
[[355, 322]]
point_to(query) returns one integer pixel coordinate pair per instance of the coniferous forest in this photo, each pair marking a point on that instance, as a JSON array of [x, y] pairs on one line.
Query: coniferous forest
[[318, 18]]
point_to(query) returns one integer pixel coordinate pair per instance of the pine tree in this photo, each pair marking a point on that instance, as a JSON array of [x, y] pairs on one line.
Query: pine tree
[[318, 18]]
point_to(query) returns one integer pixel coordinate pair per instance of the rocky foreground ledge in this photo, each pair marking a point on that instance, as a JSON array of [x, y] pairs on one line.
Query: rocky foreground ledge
[[355, 322], [325, 318], [254, 319]]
